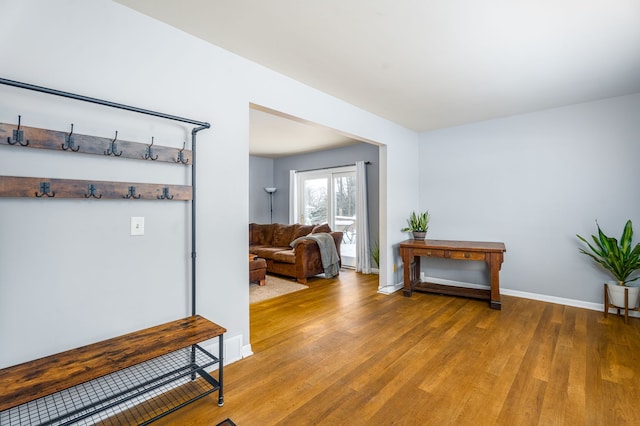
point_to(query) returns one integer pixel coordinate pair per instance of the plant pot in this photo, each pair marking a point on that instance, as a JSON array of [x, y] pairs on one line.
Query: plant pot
[[419, 235], [616, 295]]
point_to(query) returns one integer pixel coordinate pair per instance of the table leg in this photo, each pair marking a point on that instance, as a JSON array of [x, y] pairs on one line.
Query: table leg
[[411, 272], [495, 262]]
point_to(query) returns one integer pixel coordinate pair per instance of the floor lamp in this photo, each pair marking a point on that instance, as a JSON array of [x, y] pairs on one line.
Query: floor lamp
[[271, 191]]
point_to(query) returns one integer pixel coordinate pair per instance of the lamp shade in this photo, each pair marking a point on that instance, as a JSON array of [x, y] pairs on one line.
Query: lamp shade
[[270, 190]]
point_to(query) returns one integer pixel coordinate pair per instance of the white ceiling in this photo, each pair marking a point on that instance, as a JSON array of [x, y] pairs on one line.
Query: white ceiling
[[274, 135], [432, 63]]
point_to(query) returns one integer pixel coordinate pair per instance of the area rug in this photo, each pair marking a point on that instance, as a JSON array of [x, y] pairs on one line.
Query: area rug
[[274, 287]]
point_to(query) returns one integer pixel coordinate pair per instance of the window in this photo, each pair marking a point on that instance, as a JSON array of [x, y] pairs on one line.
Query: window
[[329, 195]]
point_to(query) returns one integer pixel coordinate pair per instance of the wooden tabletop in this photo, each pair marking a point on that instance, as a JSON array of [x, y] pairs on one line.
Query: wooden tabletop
[[31, 380], [481, 246]]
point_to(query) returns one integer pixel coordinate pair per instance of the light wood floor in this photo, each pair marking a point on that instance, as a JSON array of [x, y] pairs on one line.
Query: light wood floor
[[339, 353]]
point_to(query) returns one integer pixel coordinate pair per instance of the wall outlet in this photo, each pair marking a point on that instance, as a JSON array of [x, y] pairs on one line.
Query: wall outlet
[[137, 225]]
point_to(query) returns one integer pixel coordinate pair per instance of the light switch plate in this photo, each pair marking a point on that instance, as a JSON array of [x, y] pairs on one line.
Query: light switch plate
[[137, 225]]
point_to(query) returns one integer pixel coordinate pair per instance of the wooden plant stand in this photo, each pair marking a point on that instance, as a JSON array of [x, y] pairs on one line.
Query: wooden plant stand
[[626, 308]]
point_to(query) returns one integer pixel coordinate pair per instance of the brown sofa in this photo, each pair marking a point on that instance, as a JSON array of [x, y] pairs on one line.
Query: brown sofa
[[272, 242]]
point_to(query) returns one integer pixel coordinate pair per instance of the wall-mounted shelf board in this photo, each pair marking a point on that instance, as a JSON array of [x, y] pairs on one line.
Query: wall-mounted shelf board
[[37, 187], [86, 144]]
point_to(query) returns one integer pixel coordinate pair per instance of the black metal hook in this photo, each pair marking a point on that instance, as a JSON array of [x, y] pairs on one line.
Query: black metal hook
[[132, 193], [113, 148], [91, 188], [165, 194], [180, 158], [45, 189], [148, 155], [69, 144], [18, 136]]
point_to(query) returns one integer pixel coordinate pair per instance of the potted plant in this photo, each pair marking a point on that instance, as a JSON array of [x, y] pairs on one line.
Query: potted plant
[[418, 225], [375, 252], [620, 259]]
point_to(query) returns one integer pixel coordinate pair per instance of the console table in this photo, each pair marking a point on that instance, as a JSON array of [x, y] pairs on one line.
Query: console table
[[490, 252]]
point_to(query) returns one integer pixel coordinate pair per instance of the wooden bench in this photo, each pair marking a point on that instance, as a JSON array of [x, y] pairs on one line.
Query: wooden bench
[[134, 368]]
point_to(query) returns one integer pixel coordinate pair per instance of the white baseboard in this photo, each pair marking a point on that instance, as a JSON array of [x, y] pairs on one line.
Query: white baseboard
[[561, 301], [516, 293], [233, 350], [391, 288], [442, 281], [246, 351]]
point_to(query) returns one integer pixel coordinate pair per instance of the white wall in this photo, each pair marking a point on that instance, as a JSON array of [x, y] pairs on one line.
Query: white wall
[[69, 272], [534, 181]]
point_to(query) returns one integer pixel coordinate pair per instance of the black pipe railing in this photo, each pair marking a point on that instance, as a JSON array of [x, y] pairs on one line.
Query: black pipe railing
[[110, 104]]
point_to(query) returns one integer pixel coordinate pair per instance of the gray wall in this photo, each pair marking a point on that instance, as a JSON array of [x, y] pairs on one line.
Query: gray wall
[[328, 158], [260, 177], [534, 181]]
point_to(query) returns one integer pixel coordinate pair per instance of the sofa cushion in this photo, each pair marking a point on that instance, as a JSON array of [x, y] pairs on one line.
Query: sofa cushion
[[267, 252], [285, 256], [301, 231], [260, 234], [282, 234], [321, 228]]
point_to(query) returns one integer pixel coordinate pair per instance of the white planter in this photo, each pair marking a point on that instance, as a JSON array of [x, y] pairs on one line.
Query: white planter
[[616, 295]]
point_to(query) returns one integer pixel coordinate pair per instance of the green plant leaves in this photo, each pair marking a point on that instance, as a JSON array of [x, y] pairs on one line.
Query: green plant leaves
[[417, 222], [375, 252], [617, 258]]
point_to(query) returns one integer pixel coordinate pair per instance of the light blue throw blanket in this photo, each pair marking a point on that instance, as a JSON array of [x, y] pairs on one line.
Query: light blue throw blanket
[[328, 252]]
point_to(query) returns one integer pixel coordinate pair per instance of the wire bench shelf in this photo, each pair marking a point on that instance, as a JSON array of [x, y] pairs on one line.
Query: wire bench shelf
[[127, 396]]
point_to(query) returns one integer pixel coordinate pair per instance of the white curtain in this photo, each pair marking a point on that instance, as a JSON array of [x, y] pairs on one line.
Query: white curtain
[[363, 251], [293, 195]]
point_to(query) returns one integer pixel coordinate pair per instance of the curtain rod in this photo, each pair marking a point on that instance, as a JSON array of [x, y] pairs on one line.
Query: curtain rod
[[332, 167]]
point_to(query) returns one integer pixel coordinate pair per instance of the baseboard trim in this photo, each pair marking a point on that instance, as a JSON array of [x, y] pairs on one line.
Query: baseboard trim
[[515, 293], [246, 351], [390, 289], [233, 350], [561, 301], [442, 281], [552, 299]]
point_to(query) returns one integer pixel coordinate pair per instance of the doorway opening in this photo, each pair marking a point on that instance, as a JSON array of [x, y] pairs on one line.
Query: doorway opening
[[281, 145]]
